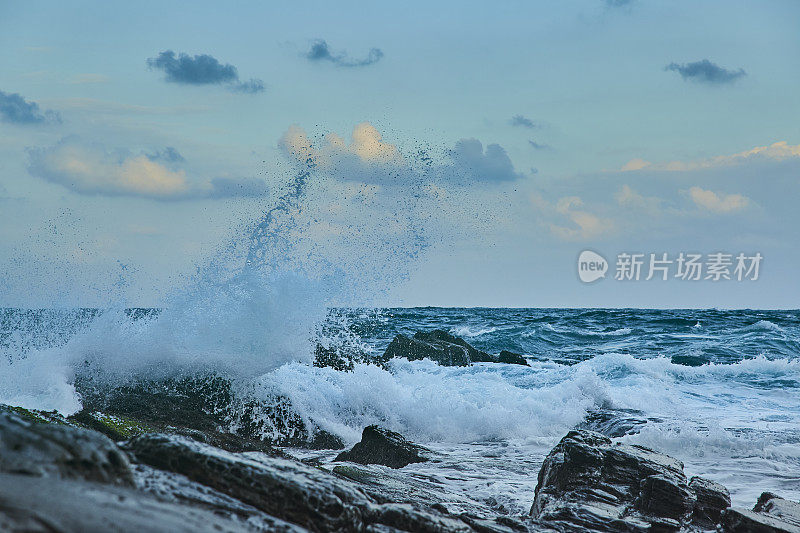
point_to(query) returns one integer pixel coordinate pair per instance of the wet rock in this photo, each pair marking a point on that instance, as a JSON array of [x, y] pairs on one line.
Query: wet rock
[[443, 352], [712, 499], [445, 349], [177, 489], [588, 483], [34, 504], [404, 517], [203, 408], [771, 514], [283, 488], [60, 451], [511, 358], [384, 447]]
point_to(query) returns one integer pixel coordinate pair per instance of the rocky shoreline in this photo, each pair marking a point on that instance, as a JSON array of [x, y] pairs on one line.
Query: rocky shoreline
[[185, 455], [56, 476]]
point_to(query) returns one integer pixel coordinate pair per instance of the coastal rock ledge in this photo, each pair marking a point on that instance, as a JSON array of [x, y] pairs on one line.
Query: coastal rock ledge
[[589, 483], [58, 477]]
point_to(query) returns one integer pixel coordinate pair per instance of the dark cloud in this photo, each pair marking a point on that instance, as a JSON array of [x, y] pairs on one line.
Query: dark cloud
[[16, 110], [321, 52], [167, 155], [250, 87], [538, 146], [493, 164], [524, 122], [201, 69], [706, 72]]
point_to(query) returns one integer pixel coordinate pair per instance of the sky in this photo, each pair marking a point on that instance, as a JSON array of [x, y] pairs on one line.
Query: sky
[[483, 145]]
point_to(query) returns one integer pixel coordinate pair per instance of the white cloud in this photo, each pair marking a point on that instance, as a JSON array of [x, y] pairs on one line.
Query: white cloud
[[365, 156], [627, 197], [777, 151], [581, 224], [91, 169], [718, 203]]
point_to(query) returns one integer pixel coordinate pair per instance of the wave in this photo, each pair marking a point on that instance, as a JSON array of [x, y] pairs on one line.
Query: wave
[[472, 331]]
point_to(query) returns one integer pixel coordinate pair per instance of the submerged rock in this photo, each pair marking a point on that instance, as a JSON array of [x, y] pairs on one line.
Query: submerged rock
[[445, 349], [771, 514], [588, 483], [383, 447], [60, 451]]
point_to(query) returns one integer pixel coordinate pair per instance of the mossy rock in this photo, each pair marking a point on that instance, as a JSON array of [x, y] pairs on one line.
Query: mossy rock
[[37, 417], [115, 427]]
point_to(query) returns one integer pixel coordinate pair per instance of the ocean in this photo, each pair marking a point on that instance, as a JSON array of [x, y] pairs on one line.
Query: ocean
[[717, 389]]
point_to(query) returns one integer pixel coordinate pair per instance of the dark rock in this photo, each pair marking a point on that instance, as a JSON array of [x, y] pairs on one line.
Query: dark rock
[[283, 488], [60, 451], [404, 517], [34, 504], [774, 505], [442, 352], [445, 349], [588, 483], [771, 514], [511, 358], [735, 520], [177, 489], [384, 447], [204, 408], [712, 498]]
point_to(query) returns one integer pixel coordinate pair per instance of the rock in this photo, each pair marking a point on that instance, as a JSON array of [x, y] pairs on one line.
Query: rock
[[34, 504], [203, 408], [442, 352], [771, 514], [283, 488], [512, 358], [384, 447], [60, 451], [712, 499], [445, 349], [404, 517], [588, 483], [774, 505], [177, 489]]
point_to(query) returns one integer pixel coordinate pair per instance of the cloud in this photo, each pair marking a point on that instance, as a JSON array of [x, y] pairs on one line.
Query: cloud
[[368, 159], [774, 152], [16, 110], [201, 69], [90, 169], [524, 122], [320, 51], [583, 224], [493, 164], [538, 146], [167, 155], [706, 72], [627, 197], [718, 203]]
